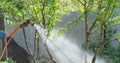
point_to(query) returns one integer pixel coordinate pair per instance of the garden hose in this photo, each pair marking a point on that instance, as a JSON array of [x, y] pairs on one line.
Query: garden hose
[[13, 33], [7, 43]]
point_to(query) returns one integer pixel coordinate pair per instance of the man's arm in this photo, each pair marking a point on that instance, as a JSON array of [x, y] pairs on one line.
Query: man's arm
[[10, 31], [2, 34]]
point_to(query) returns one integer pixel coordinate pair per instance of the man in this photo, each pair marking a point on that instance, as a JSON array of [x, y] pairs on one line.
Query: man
[[2, 34], [17, 53]]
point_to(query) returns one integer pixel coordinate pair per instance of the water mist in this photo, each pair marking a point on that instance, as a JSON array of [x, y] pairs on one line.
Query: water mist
[[63, 50]]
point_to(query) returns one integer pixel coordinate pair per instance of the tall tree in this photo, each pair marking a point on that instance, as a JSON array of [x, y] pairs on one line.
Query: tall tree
[[104, 11], [43, 12]]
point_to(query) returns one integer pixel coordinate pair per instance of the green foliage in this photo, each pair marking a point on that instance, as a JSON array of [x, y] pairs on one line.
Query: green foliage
[[9, 60], [11, 22], [52, 10], [105, 12], [115, 20], [93, 46], [110, 53], [66, 27], [36, 36], [118, 36], [107, 52], [69, 25]]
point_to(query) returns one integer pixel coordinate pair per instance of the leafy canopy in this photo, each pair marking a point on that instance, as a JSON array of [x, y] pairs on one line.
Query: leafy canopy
[[48, 11]]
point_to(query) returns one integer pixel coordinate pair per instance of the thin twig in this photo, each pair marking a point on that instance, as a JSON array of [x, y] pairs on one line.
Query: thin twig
[[93, 24]]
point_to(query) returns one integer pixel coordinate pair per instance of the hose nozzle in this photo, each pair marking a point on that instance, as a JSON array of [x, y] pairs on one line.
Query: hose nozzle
[[28, 21]]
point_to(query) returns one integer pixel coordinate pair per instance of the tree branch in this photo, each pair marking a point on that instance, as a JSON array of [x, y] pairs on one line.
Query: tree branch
[[100, 43], [81, 2], [93, 24], [43, 14], [86, 31], [49, 54]]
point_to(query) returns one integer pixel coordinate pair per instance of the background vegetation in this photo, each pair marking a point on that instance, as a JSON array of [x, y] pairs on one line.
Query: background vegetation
[[48, 13]]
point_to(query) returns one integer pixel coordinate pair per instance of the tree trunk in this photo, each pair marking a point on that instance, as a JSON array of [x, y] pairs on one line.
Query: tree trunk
[[86, 32], [2, 27]]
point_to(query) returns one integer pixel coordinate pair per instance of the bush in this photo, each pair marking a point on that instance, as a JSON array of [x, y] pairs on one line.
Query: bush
[[9, 60]]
